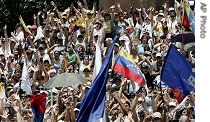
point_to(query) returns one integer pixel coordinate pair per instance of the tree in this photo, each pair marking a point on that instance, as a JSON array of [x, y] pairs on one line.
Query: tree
[[10, 10]]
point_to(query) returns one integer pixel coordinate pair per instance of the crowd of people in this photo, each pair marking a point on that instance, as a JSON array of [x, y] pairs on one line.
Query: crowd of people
[[64, 41]]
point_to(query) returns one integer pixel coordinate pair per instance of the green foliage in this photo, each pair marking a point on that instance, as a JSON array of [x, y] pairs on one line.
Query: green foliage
[[10, 10]]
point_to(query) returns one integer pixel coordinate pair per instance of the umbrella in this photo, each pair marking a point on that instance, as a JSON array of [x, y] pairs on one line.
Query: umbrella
[[189, 47], [185, 37], [65, 80]]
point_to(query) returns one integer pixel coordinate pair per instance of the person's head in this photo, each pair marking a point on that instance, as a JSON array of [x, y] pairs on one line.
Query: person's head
[[113, 114], [15, 54], [52, 73], [46, 63], [59, 41], [108, 41], [172, 105], [147, 20], [30, 72], [2, 58], [29, 53], [122, 40], [129, 30], [158, 57], [56, 54], [80, 48], [145, 68], [33, 29], [71, 68], [157, 117], [18, 27], [41, 49], [144, 39], [165, 30], [17, 74], [125, 15], [147, 54], [89, 14], [34, 62], [160, 16], [172, 15], [98, 25], [86, 59], [146, 48], [80, 38], [86, 72], [116, 47], [17, 66], [70, 48], [107, 16], [133, 50]]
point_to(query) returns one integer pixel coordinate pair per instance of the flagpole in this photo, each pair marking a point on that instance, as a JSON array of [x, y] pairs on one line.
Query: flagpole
[[161, 93], [182, 28], [51, 98]]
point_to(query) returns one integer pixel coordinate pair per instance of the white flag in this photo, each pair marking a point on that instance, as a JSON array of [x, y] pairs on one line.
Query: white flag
[[97, 67], [98, 60], [25, 83]]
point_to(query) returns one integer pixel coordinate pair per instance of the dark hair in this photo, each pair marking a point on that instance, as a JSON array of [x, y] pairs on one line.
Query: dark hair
[[144, 36]]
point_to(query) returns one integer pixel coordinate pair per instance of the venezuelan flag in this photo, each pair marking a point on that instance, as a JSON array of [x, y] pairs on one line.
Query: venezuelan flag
[[188, 17], [24, 25], [125, 66]]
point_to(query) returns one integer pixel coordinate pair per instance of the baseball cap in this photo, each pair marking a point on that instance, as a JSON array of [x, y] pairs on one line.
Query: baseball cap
[[172, 104], [144, 64], [157, 115], [158, 55], [41, 46], [33, 27], [171, 9], [116, 44]]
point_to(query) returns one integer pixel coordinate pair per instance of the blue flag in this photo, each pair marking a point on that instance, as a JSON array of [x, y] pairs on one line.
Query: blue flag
[[177, 72], [93, 104]]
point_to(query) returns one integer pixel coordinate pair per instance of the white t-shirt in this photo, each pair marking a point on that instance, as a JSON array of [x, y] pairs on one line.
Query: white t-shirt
[[146, 28], [171, 25]]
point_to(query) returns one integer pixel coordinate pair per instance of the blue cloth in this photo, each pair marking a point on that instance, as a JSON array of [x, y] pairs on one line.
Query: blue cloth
[[93, 105], [177, 72]]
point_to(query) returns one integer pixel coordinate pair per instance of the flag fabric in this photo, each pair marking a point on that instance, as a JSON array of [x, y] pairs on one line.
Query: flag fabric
[[188, 17], [24, 25], [38, 106], [125, 66], [177, 72], [93, 104], [178, 95], [98, 60], [74, 28], [25, 83], [96, 70]]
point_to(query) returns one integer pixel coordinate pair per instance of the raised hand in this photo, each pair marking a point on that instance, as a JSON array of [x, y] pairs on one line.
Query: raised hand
[[5, 27]]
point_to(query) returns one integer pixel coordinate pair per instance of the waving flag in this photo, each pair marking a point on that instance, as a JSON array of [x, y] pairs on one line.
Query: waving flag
[[177, 72], [24, 25], [125, 66], [25, 83], [96, 70], [188, 17], [38, 105], [93, 104]]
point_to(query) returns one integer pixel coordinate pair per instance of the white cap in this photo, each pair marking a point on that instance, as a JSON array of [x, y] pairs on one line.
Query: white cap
[[158, 55], [171, 9], [172, 104], [157, 115]]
